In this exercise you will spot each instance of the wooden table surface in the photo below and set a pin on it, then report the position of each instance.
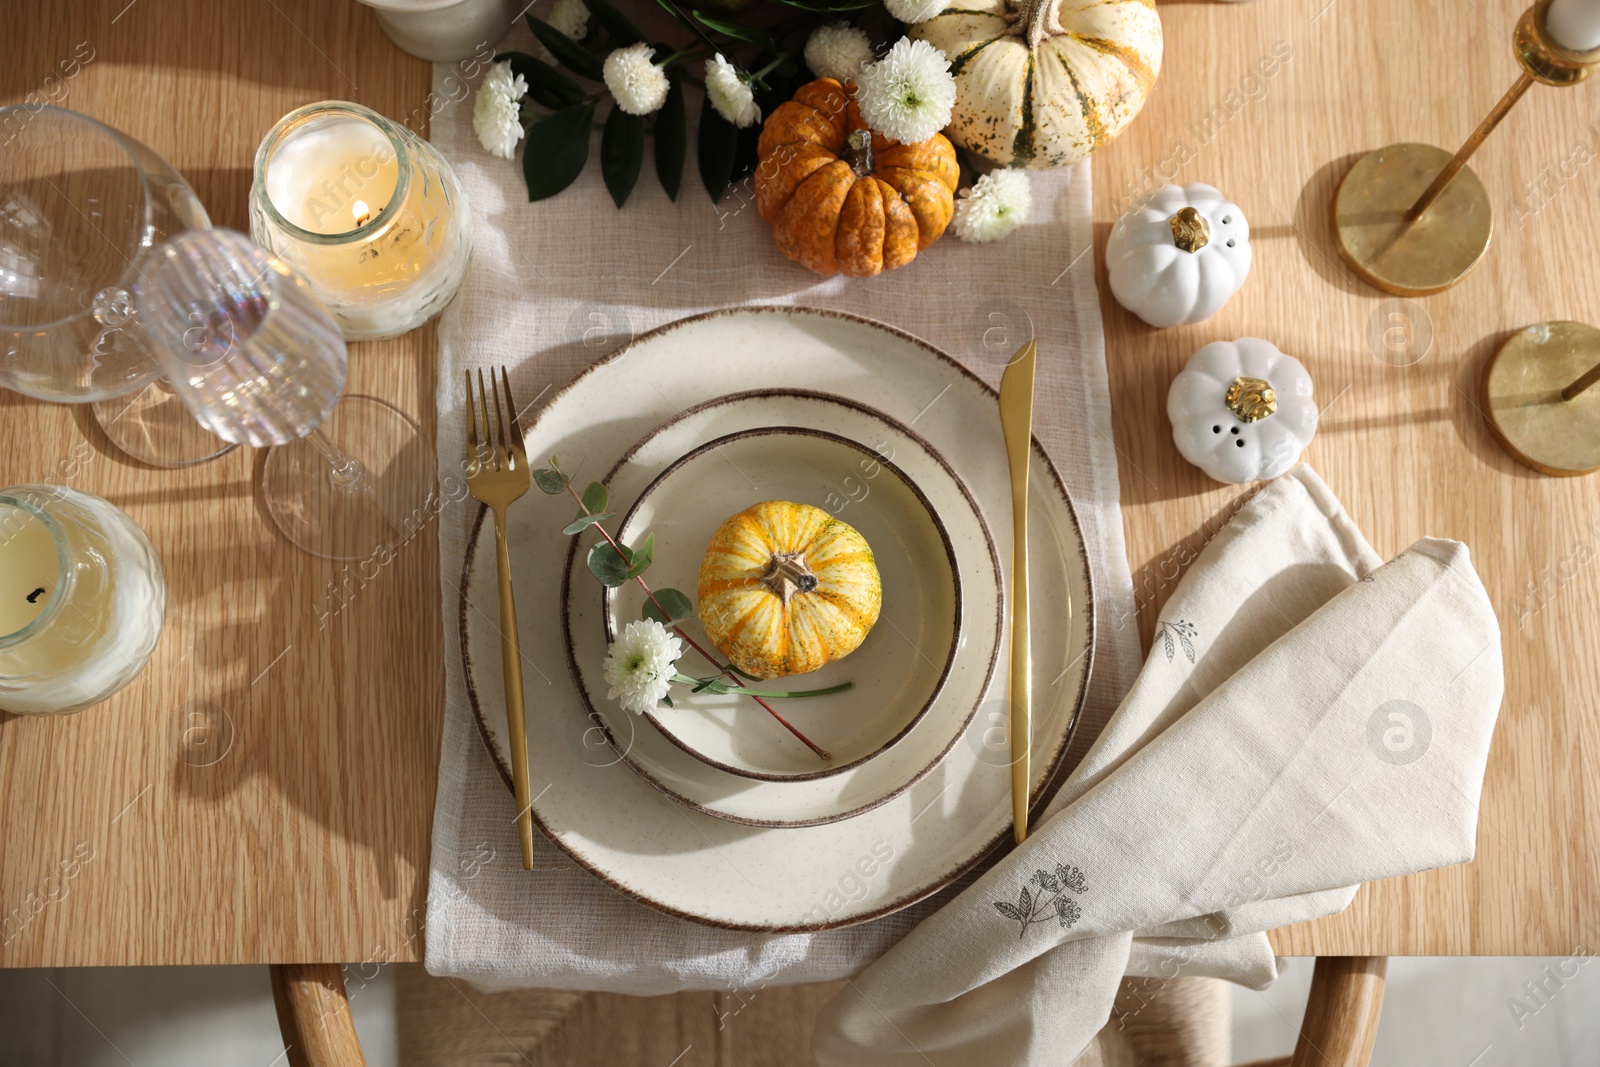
(263, 792)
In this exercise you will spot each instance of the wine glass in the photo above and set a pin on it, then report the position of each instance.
(81, 207)
(259, 361)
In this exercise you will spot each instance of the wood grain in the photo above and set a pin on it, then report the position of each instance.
(314, 1016)
(1342, 1010)
(319, 686)
(308, 840)
(1404, 447)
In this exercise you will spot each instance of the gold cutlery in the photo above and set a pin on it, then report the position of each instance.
(497, 474)
(1016, 423)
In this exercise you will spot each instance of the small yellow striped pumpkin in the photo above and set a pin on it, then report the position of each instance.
(786, 588)
(1043, 83)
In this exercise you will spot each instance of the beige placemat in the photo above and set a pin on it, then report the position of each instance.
(555, 286)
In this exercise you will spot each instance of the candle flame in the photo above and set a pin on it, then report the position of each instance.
(362, 213)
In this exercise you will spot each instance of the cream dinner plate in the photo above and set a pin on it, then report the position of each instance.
(682, 861)
(926, 675)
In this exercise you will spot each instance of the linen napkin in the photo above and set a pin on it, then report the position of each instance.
(1305, 721)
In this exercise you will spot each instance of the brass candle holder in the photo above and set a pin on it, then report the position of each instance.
(1410, 218)
(1538, 398)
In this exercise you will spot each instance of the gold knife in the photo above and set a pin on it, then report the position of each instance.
(1016, 423)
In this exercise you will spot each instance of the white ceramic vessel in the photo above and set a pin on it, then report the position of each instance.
(624, 830)
(445, 31)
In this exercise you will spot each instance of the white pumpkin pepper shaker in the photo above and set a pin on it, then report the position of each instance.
(1242, 410)
(1179, 256)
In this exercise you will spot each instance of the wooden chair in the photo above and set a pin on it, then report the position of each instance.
(1340, 1023)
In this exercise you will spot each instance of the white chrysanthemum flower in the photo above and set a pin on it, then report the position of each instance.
(730, 94)
(994, 207)
(909, 11)
(497, 112)
(640, 665)
(570, 17)
(636, 83)
(907, 95)
(838, 51)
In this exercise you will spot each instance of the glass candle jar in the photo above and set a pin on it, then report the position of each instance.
(367, 212)
(81, 599)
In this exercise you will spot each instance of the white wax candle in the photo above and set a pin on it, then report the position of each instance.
(1574, 24)
(333, 176)
(30, 569)
(100, 621)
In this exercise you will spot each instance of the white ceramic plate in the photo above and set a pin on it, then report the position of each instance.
(829, 798)
(897, 672)
(681, 861)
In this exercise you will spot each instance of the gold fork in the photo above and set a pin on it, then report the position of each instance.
(497, 474)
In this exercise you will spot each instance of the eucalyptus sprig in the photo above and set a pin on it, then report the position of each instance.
(614, 563)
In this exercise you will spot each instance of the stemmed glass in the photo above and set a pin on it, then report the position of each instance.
(259, 361)
(81, 208)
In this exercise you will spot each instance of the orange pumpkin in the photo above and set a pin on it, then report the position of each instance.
(841, 198)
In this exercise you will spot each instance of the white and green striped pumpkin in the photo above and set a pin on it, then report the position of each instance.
(1043, 83)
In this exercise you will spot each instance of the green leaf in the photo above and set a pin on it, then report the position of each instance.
(641, 556)
(552, 482)
(595, 497)
(674, 601)
(568, 53)
(583, 522)
(672, 140)
(738, 32)
(617, 25)
(838, 6)
(621, 153)
(716, 151)
(607, 565)
(556, 151)
(667, 700)
(677, 13)
(546, 84)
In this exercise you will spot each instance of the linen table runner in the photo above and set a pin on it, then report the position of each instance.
(557, 285)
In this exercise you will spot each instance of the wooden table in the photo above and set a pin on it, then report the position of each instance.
(320, 688)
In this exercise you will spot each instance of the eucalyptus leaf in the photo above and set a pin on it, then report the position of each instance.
(552, 482)
(595, 497)
(672, 140)
(568, 53)
(739, 33)
(607, 565)
(717, 150)
(556, 151)
(834, 8)
(583, 522)
(621, 153)
(546, 84)
(674, 601)
(639, 557)
(618, 26)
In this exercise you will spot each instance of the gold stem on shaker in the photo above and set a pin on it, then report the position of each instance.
(1190, 230)
(1251, 399)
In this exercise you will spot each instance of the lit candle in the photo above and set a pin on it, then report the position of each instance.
(1574, 24)
(81, 599)
(367, 212)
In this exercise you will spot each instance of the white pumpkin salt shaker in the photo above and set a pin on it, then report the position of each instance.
(1242, 410)
(1179, 256)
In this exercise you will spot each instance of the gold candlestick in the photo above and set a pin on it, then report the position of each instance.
(1412, 219)
(1537, 398)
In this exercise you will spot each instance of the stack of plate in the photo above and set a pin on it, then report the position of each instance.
(710, 809)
